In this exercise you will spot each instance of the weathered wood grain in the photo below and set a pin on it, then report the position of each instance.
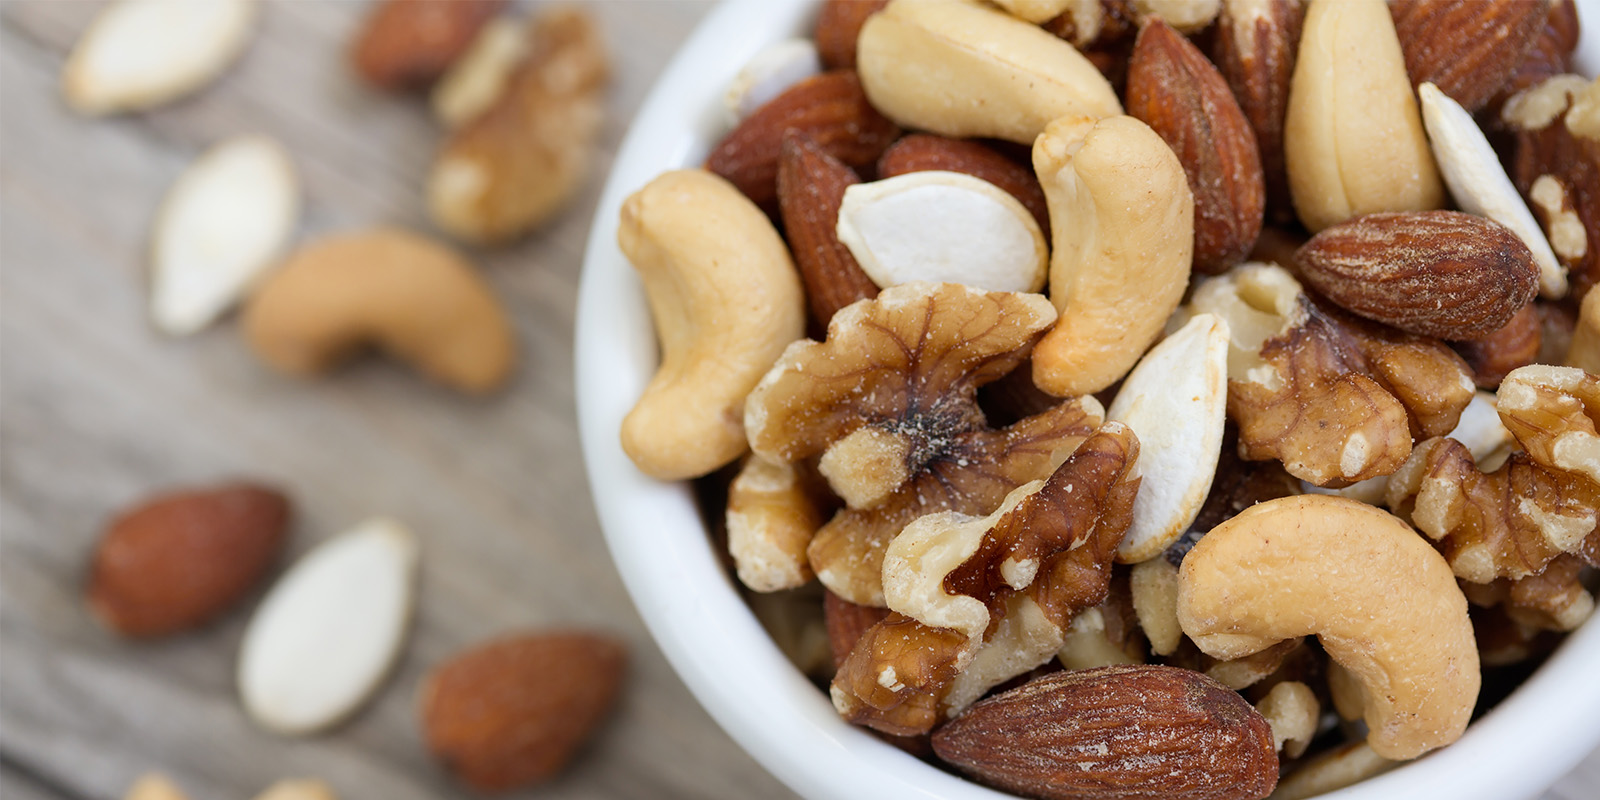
(99, 409)
(96, 409)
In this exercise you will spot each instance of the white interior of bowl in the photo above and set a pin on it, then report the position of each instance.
(709, 635)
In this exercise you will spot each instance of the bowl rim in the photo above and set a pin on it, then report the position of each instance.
(709, 635)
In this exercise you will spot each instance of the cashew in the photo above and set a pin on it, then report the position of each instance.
(1291, 709)
(1383, 602)
(1584, 352)
(1154, 586)
(1035, 11)
(1122, 219)
(411, 297)
(1353, 138)
(726, 301)
(958, 68)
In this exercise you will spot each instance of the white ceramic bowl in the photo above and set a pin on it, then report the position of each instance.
(708, 633)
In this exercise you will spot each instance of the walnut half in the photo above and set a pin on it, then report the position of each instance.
(1539, 504)
(979, 600)
(889, 403)
(1335, 398)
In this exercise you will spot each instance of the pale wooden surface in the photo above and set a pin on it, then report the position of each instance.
(98, 410)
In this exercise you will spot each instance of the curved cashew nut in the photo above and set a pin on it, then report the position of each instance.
(959, 68)
(726, 301)
(400, 292)
(1383, 602)
(1122, 219)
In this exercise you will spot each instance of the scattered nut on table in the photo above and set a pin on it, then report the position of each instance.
(413, 298)
(139, 54)
(516, 710)
(517, 163)
(182, 558)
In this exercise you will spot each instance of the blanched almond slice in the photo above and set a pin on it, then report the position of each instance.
(1175, 401)
(943, 227)
(1480, 185)
(222, 225)
(777, 67)
(326, 634)
(475, 81)
(142, 53)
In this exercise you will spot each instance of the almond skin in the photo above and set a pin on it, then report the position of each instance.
(1182, 97)
(1436, 273)
(811, 187)
(831, 108)
(920, 152)
(838, 24)
(1467, 49)
(407, 44)
(180, 559)
(1109, 733)
(515, 710)
(1254, 50)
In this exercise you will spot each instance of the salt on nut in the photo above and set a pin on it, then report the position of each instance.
(958, 68)
(726, 300)
(402, 293)
(1383, 602)
(1480, 185)
(943, 227)
(1122, 219)
(1353, 138)
(1176, 400)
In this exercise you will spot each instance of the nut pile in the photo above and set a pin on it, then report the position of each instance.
(1198, 393)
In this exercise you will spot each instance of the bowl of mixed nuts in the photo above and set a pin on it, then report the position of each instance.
(1113, 399)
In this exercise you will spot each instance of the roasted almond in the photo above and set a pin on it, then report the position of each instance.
(838, 24)
(811, 186)
(178, 560)
(515, 711)
(1182, 97)
(1515, 344)
(925, 151)
(1254, 50)
(1127, 731)
(1467, 49)
(406, 44)
(830, 108)
(1435, 273)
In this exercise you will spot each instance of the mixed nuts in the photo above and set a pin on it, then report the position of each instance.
(1321, 262)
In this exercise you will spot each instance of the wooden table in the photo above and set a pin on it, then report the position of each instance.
(99, 410)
